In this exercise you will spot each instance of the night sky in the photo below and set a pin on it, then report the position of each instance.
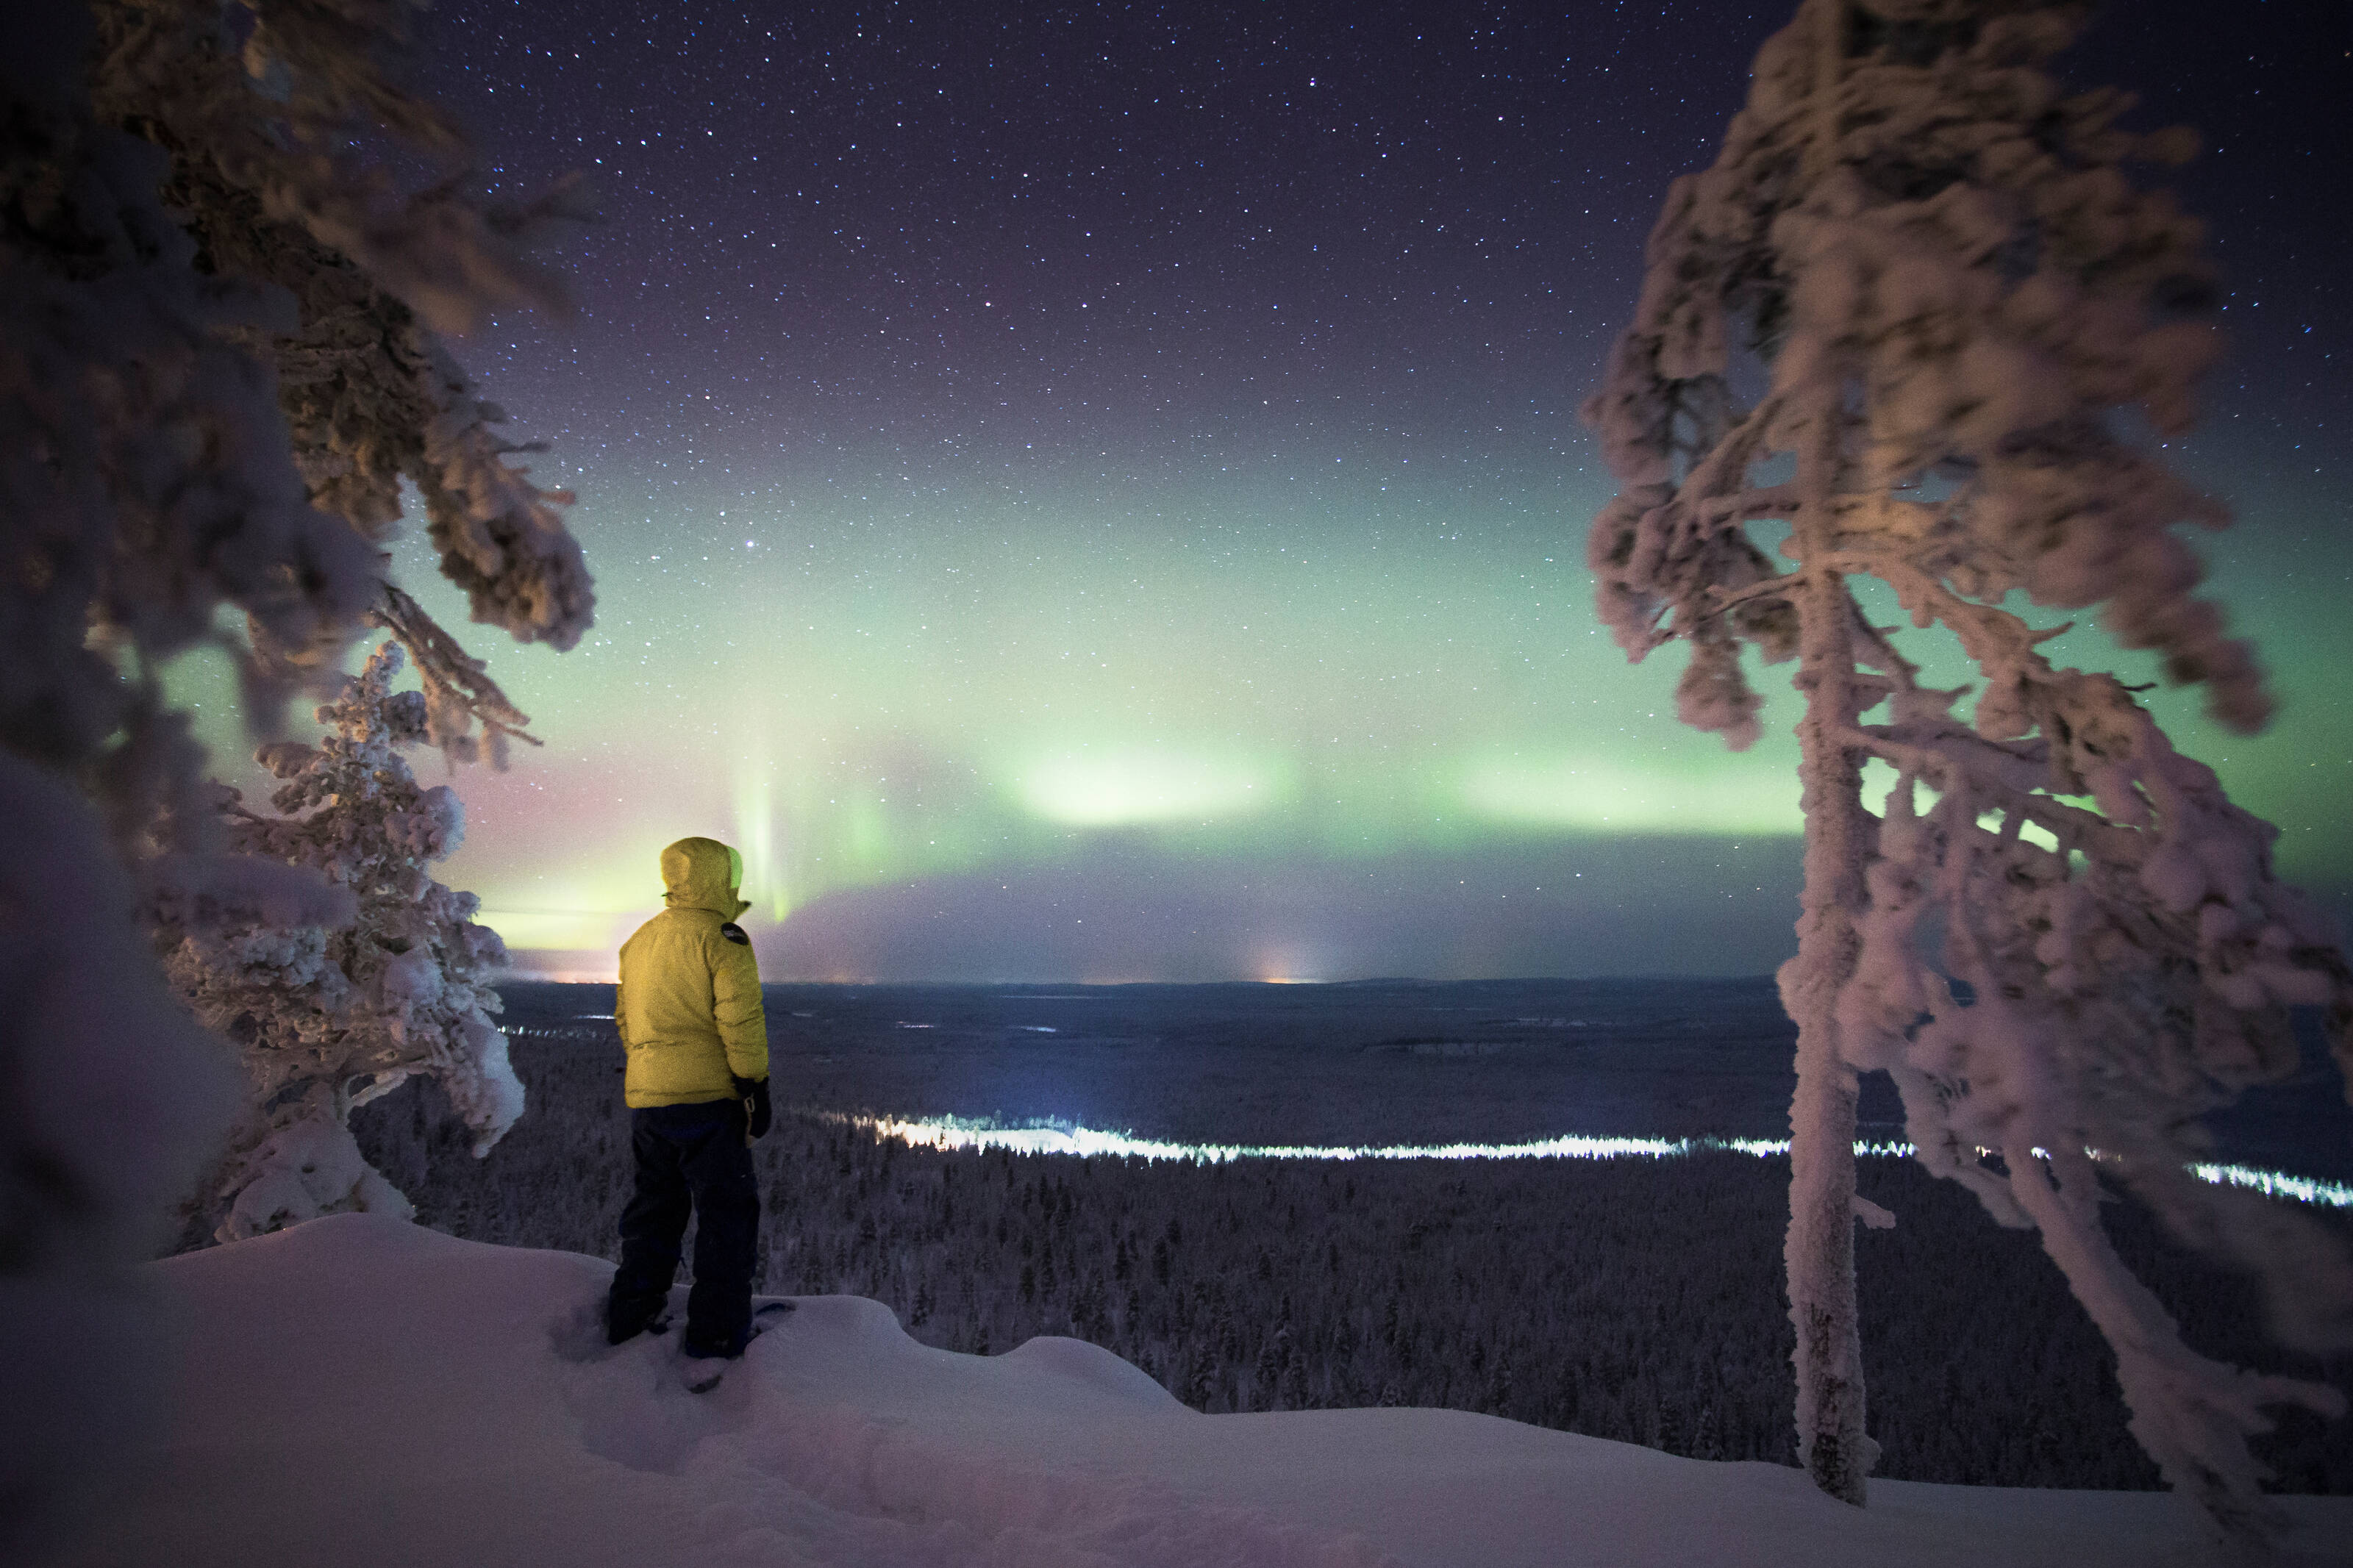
(1097, 494)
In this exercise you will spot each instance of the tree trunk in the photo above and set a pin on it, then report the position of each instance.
(1840, 838)
(1819, 1253)
(1819, 1250)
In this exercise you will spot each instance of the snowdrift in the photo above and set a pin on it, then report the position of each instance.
(361, 1392)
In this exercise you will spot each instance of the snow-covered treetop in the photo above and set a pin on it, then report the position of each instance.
(1942, 248)
(1952, 230)
(329, 1014)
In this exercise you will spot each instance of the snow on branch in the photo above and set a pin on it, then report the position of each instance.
(265, 178)
(459, 691)
(278, 100)
(500, 535)
(115, 1099)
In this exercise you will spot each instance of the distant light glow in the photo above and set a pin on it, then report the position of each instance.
(1069, 1138)
(2278, 1184)
(1290, 962)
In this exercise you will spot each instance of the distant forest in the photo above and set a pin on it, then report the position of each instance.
(1633, 1299)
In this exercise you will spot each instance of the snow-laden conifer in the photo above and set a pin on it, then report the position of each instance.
(217, 360)
(327, 1019)
(2061, 938)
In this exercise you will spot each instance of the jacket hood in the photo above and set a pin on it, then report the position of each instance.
(703, 874)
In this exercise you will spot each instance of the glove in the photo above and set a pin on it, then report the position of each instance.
(757, 1111)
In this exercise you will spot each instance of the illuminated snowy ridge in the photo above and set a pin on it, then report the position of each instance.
(1068, 1138)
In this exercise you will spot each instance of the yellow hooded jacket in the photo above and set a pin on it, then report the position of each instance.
(688, 1003)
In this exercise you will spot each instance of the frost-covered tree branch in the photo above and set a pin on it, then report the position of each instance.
(459, 690)
(264, 134)
(2059, 938)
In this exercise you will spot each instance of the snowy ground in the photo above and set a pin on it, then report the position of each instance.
(362, 1392)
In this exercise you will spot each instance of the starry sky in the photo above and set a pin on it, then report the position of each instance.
(1094, 491)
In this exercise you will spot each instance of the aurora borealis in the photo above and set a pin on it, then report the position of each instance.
(1096, 493)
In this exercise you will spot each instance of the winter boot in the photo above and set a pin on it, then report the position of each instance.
(622, 1326)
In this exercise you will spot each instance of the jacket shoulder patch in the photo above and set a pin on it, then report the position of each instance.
(734, 933)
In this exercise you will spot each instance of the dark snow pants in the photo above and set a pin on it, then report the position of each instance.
(690, 1155)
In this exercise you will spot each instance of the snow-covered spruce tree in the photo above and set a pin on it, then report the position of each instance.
(176, 414)
(327, 1019)
(2061, 939)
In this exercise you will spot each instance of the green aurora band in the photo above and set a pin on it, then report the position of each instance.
(872, 683)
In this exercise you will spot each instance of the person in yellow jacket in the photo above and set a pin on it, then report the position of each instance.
(688, 1008)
